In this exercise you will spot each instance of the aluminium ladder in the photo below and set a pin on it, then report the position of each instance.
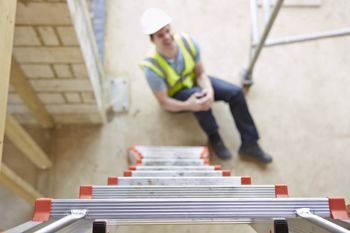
(176, 185)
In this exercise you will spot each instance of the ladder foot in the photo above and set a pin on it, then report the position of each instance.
(99, 227)
(281, 226)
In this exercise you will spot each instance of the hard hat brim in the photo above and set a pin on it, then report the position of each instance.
(156, 27)
(153, 19)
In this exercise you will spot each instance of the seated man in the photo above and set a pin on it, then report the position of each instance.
(176, 75)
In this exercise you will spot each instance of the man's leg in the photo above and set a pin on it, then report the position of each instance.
(234, 96)
(208, 123)
(205, 119)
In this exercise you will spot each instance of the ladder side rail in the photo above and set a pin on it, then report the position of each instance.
(315, 219)
(341, 222)
(23, 227)
(76, 214)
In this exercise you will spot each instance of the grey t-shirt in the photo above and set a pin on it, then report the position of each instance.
(155, 82)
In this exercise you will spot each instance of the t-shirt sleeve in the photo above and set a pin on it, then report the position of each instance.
(197, 57)
(155, 82)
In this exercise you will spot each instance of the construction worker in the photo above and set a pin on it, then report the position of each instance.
(176, 75)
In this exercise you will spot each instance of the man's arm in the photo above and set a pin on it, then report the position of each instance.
(196, 102)
(204, 82)
(193, 103)
(158, 86)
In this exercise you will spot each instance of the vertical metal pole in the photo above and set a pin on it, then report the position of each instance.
(254, 19)
(267, 10)
(247, 74)
(255, 32)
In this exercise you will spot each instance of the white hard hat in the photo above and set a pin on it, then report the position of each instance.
(154, 19)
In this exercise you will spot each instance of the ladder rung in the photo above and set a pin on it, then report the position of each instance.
(140, 152)
(111, 192)
(173, 156)
(169, 150)
(189, 208)
(178, 168)
(172, 162)
(177, 173)
(185, 181)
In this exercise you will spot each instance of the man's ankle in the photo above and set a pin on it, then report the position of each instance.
(254, 151)
(249, 144)
(218, 146)
(215, 137)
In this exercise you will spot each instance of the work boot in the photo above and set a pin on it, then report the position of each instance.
(253, 151)
(219, 147)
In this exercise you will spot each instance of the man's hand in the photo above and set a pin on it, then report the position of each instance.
(200, 101)
(203, 81)
(209, 94)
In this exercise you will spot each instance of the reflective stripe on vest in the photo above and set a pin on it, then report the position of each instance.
(162, 68)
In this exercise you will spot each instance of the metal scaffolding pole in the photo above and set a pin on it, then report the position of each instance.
(267, 10)
(254, 21)
(247, 73)
(258, 42)
(308, 37)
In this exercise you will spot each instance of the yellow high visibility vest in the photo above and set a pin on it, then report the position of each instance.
(161, 67)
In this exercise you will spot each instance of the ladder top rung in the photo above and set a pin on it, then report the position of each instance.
(144, 151)
(164, 208)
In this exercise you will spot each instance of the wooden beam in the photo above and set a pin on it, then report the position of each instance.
(16, 184)
(7, 25)
(23, 141)
(28, 95)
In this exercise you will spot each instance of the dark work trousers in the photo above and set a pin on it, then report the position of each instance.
(233, 95)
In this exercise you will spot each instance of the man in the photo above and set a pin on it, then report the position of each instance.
(176, 75)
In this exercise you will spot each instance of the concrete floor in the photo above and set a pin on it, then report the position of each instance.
(299, 101)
